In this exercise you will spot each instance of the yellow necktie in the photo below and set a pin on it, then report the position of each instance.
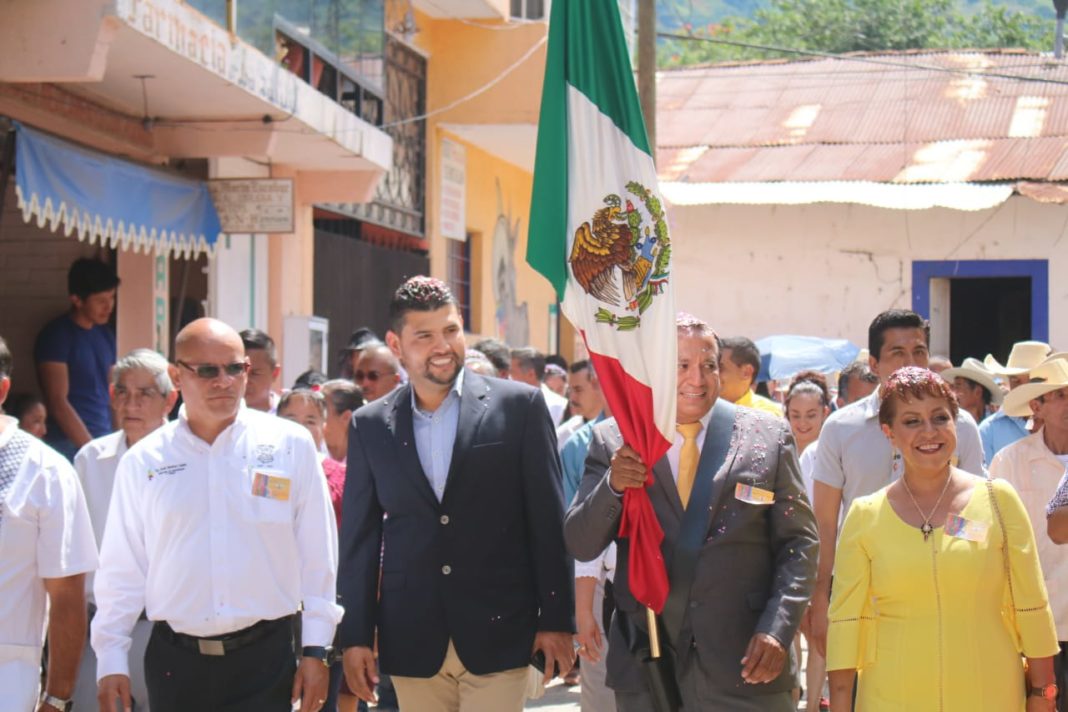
(688, 457)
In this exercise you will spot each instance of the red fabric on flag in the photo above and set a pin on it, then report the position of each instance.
(632, 402)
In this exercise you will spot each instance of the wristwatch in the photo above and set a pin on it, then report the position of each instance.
(1046, 692)
(61, 704)
(323, 654)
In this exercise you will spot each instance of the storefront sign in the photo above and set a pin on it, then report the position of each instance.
(453, 211)
(186, 32)
(254, 205)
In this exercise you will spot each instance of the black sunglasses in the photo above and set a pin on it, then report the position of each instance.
(210, 371)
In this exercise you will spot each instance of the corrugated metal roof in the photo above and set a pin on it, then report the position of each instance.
(837, 119)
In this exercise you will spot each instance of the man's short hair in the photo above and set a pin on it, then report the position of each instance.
(385, 352)
(580, 366)
(259, 340)
(342, 394)
(497, 352)
(856, 371)
(695, 326)
(144, 360)
(6, 362)
(743, 352)
(88, 276)
(894, 319)
(419, 293)
(529, 358)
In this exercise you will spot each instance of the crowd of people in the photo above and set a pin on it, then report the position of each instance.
(438, 528)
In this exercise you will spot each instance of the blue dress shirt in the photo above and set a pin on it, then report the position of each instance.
(998, 431)
(573, 458)
(435, 435)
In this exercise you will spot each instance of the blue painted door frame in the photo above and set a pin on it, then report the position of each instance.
(923, 271)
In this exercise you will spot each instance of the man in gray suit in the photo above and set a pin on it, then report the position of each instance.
(754, 562)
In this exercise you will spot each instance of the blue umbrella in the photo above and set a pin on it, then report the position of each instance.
(783, 356)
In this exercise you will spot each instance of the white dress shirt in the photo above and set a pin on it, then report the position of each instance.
(95, 464)
(556, 404)
(44, 533)
(187, 540)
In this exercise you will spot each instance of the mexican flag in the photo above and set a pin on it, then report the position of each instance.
(599, 234)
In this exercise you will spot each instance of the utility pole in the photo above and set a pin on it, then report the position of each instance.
(647, 67)
(1061, 6)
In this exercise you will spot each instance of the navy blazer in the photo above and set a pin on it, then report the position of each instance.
(486, 567)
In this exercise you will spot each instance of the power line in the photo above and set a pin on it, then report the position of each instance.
(481, 90)
(865, 60)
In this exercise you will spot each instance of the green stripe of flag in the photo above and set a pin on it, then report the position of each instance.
(587, 51)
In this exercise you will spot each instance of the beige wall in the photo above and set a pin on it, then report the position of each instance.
(827, 270)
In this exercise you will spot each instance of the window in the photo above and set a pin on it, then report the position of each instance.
(528, 9)
(458, 258)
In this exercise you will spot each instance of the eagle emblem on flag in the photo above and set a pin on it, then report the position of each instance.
(622, 255)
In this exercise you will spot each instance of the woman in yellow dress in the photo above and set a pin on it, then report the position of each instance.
(924, 613)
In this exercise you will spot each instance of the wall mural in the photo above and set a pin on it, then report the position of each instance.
(512, 323)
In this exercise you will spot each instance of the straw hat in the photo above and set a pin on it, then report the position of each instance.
(1048, 377)
(973, 370)
(1025, 356)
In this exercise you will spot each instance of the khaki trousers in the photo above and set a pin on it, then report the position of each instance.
(454, 689)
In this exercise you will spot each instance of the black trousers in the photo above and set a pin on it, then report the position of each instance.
(256, 678)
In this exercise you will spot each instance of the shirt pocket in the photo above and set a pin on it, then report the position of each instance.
(268, 496)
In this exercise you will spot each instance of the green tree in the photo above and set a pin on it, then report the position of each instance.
(838, 26)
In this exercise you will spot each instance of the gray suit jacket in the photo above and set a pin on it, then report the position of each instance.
(754, 575)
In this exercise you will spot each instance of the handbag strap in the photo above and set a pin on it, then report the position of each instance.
(1004, 540)
(695, 519)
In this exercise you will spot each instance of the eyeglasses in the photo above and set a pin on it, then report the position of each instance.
(211, 371)
(369, 375)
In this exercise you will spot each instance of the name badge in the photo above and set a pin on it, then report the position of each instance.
(270, 486)
(967, 529)
(753, 495)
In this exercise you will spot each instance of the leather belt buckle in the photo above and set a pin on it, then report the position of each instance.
(211, 647)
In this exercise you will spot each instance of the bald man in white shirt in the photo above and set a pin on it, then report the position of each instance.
(220, 527)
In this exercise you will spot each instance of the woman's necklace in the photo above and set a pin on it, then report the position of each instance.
(927, 528)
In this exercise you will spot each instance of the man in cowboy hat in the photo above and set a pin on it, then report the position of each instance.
(1034, 465)
(1001, 430)
(975, 388)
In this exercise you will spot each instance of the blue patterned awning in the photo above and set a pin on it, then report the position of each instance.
(101, 197)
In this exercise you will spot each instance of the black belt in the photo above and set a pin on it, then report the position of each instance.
(226, 643)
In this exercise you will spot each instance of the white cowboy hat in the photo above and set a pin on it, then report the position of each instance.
(1047, 378)
(1025, 356)
(973, 370)
(1060, 355)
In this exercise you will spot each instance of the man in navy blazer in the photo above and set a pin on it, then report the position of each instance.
(453, 494)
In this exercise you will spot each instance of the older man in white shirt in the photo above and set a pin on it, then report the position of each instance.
(46, 548)
(1035, 466)
(220, 528)
(141, 396)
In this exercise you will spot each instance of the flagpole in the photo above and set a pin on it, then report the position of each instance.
(654, 634)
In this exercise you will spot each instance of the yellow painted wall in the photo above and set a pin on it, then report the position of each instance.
(465, 56)
(485, 208)
(461, 58)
